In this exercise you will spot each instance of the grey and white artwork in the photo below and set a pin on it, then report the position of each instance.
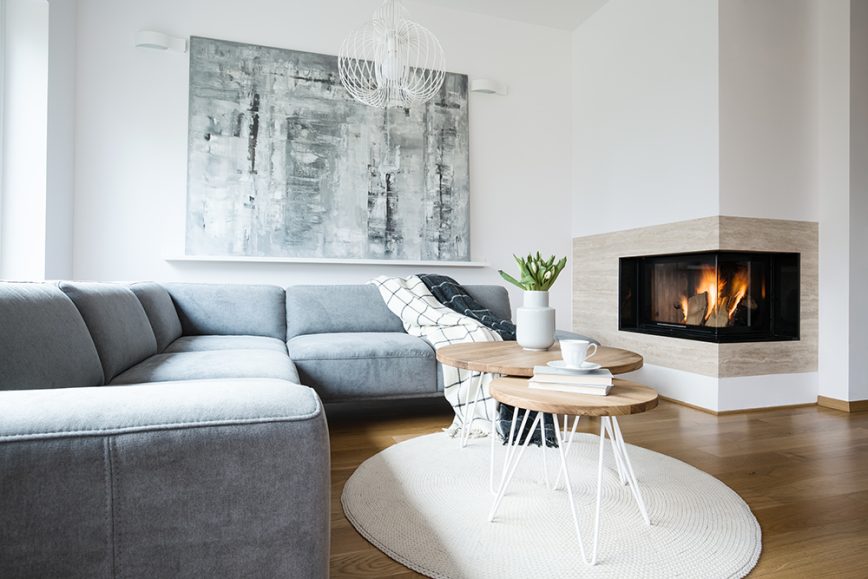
(284, 163)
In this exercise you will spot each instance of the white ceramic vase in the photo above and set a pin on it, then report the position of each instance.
(535, 322)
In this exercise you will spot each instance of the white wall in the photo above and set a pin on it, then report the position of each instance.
(768, 94)
(645, 114)
(22, 214)
(858, 309)
(131, 148)
(60, 153)
(833, 43)
(684, 109)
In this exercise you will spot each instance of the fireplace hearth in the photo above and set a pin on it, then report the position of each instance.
(719, 296)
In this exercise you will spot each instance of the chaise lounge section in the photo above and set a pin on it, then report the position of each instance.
(130, 449)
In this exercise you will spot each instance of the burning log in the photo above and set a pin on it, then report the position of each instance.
(719, 318)
(696, 308)
(742, 315)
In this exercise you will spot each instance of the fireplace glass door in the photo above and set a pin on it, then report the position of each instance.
(715, 296)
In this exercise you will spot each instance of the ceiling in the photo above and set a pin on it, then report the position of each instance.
(564, 14)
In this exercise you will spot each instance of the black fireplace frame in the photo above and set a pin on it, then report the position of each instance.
(783, 322)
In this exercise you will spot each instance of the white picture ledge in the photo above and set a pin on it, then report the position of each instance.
(323, 260)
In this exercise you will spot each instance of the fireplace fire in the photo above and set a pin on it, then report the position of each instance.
(718, 296)
(714, 300)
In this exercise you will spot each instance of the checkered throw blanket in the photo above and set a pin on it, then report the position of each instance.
(425, 317)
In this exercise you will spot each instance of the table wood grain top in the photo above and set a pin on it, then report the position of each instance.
(624, 399)
(510, 359)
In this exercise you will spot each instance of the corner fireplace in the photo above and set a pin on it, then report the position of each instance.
(718, 296)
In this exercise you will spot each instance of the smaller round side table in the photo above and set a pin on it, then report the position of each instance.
(624, 399)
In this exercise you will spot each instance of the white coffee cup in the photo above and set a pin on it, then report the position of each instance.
(575, 352)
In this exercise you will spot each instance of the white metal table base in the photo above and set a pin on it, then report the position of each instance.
(608, 427)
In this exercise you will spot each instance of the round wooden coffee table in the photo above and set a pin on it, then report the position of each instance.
(624, 399)
(510, 359)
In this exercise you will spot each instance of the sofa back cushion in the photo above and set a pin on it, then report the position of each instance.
(160, 311)
(230, 309)
(117, 322)
(493, 297)
(44, 342)
(321, 309)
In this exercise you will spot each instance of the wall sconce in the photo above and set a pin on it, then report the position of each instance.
(159, 41)
(486, 86)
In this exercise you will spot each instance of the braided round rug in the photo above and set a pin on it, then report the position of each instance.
(425, 504)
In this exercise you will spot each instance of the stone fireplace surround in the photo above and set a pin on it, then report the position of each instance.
(717, 377)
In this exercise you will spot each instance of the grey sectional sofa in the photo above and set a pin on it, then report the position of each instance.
(152, 430)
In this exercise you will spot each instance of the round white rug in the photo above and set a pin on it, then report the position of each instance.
(425, 503)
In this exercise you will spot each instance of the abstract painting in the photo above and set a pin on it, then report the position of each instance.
(284, 163)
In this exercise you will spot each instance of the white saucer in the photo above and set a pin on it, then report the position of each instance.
(563, 365)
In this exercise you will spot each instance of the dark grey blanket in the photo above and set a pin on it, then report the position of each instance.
(452, 295)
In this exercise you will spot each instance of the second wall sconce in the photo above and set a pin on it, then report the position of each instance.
(160, 41)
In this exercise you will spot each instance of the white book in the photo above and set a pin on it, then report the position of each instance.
(601, 377)
(571, 388)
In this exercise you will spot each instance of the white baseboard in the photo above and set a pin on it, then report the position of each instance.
(687, 387)
(729, 394)
(764, 391)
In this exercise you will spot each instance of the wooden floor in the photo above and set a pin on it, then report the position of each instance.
(803, 471)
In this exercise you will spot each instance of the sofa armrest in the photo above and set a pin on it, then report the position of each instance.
(182, 479)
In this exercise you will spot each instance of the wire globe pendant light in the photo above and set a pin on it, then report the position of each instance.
(391, 60)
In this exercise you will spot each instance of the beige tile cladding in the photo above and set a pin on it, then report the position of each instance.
(595, 293)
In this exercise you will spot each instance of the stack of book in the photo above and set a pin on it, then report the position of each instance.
(594, 382)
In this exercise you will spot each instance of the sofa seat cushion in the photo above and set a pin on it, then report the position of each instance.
(344, 366)
(211, 343)
(211, 365)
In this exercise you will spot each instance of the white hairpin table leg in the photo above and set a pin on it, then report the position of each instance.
(470, 411)
(510, 447)
(569, 442)
(573, 511)
(619, 463)
(511, 464)
(493, 435)
(621, 449)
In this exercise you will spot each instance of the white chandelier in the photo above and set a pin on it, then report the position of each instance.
(392, 61)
